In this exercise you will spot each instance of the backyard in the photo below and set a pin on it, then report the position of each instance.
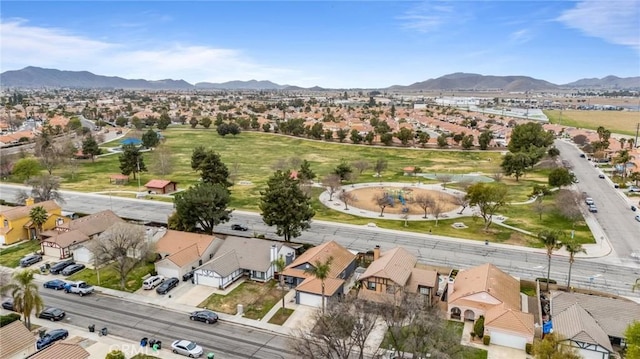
(256, 298)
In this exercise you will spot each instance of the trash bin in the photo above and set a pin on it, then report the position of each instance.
(143, 342)
(92, 328)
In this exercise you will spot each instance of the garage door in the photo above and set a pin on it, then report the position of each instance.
(311, 300)
(206, 280)
(168, 272)
(508, 340)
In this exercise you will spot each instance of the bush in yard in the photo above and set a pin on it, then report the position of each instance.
(528, 348)
(478, 327)
(486, 340)
(8, 319)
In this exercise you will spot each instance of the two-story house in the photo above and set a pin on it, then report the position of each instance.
(17, 224)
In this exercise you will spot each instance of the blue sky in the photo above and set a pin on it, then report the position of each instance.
(339, 44)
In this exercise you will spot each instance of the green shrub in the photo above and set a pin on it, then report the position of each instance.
(486, 340)
(528, 348)
(478, 327)
(8, 319)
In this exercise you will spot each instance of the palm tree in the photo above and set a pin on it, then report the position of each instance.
(25, 294)
(573, 247)
(39, 217)
(280, 265)
(321, 270)
(550, 239)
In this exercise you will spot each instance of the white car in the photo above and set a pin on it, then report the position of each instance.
(188, 348)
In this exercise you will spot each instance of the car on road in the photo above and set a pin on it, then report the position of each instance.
(593, 208)
(74, 268)
(601, 176)
(637, 219)
(29, 260)
(58, 267)
(52, 314)
(239, 227)
(167, 285)
(589, 201)
(206, 316)
(51, 337)
(56, 284)
(8, 304)
(187, 347)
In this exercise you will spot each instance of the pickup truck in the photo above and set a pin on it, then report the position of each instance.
(81, 288)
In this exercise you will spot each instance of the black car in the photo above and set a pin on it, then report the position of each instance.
(206, 316)
(51, 337)
(69, 270)
(239, 227)
(167, 285)
(53, 314)
(8, 305)
(187, 276)
(58, 267)
(56, 284)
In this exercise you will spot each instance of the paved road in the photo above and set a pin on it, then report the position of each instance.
(614, 208)
(602, 273)
(135, 321)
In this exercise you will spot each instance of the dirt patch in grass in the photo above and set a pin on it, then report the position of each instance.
(257, 299)
(281, 316)
(366, 199)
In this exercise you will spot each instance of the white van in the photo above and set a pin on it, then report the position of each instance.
(152, 282)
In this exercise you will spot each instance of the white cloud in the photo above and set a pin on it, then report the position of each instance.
(617, 22)
(24, 45)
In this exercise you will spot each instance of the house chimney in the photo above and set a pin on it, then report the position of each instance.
(29, 201)
(376, 253)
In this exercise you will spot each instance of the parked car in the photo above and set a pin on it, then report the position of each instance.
(8, 304)
(167, 285)
(58, 267)
(51, 337)
(152, 282)
(74, 268)
(52, 314)
(239, 227)
(56, 284)
(80, 287)
(206, 316)
(187, 276)
(187, 347)
(29, 260)
(589, 201)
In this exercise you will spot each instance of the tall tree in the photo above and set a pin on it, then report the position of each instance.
(90, 147)
(551, 240)
(284, 205)
(124, 245)
(131, 161)
(573, 247)
(489, 198)
(38, 216)
(204, 204)
(321, 270)
(24, 292)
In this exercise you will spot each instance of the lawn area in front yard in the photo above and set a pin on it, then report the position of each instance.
(257, 299)
(109, 278)
(281, 316)
(10, 257)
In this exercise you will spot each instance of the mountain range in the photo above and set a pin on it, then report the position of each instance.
(36, 77)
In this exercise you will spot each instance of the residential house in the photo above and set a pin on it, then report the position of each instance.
(182, 252)
(392, 274)
(18, 226)
(238, 257)
(486, 290)
(60, 350)
(593, 324)
(71, 238)
(16, 341)
(161, 186)
(309, 288)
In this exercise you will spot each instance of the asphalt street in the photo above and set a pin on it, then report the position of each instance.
(135, 321)
(605, 274)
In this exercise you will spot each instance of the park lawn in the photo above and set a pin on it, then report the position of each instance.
(109, 278)
(281, 316)
(10, 257)
(623, 122)
(257, 299)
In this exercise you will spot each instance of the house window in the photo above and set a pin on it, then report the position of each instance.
(371, 285)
